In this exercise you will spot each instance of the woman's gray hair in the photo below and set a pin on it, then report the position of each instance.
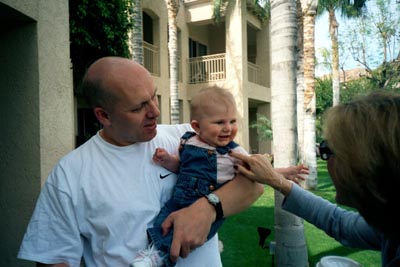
(364, 136)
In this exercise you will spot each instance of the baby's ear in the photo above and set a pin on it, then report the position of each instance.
(195, 125)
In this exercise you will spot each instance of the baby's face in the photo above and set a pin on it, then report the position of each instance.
(218, 125)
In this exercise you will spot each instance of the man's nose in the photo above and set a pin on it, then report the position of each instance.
(152, 109)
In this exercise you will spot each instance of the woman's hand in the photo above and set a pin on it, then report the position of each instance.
(255, 167)
(258, 168)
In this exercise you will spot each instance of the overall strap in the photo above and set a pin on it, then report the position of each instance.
(186, 136)
(225, 149)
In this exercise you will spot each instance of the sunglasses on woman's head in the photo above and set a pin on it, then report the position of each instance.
(324, 150)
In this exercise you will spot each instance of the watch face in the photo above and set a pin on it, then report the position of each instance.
(213, 198)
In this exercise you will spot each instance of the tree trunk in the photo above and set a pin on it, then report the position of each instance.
(333, 32)
(137, 32)
(291, 247)
(310, 158)
(300, 83)
(173, 8)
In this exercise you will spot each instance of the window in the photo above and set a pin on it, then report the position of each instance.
(196, 49)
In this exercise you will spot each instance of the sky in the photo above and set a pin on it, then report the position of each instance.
(322, 40)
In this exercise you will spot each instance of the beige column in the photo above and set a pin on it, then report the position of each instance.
(236, 63)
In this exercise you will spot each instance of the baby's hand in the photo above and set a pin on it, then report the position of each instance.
(160, 155)
(295, 173)
(166, 160)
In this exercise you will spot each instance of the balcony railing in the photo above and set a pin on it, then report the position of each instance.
(255, 75)
(151, 58)
(213, 68)
(200, 69)
(206, 68)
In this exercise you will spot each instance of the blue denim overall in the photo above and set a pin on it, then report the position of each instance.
(197, 177)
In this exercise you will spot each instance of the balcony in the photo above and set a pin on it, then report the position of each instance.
(255, 74)
(206, 68)
(212, 68)
(151, 58)
(202, 69)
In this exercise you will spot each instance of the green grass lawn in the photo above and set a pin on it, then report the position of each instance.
(240, 238)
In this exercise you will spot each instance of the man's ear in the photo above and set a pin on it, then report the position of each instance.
(195, 125)
(102, 116)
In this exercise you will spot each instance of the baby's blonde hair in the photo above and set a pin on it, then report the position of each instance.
(209, 97)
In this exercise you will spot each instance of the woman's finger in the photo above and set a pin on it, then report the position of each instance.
(240, 156)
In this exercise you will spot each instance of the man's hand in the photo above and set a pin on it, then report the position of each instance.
(192, 224)
(191, 227)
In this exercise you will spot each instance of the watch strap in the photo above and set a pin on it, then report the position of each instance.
(219, 211)
(218, 208)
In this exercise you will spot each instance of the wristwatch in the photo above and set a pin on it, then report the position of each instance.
(214, 200)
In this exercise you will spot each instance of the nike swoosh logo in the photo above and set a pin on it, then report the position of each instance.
(163, 176)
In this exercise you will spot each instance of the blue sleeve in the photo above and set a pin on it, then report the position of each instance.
(347, 227)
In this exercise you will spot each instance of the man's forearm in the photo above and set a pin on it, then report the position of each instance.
(192, 224)
(238, 194)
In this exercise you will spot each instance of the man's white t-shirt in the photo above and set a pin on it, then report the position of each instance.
(98, 202)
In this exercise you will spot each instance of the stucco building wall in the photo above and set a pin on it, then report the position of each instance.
(36, 109)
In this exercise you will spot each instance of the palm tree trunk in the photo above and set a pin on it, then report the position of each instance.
(300, 82)
(310, 159)
(137, 32)
(173, 8)
(333, 32)
(291, 247)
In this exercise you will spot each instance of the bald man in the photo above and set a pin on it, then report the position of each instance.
(99, 199)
